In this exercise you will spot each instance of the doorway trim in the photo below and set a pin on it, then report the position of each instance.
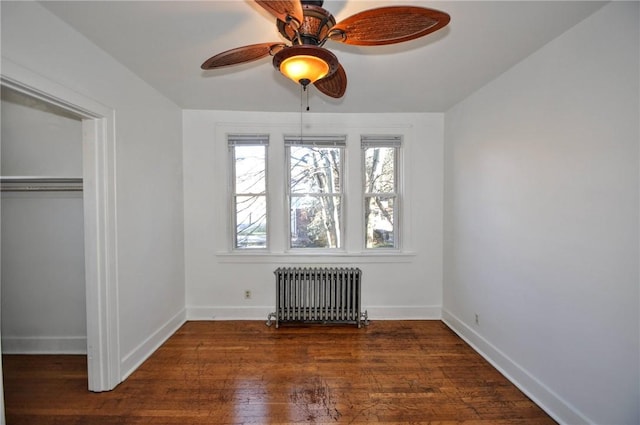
(100, 225)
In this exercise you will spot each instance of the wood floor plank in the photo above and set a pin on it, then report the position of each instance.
(242, 372)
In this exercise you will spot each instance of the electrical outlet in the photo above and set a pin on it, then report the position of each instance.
(247, 294)
(477, 319)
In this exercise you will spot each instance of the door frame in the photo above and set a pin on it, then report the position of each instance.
(100, 231)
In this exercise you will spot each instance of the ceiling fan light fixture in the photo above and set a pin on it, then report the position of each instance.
(304, 68)
(305, 64)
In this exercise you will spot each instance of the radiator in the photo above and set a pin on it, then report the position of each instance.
(318, 295)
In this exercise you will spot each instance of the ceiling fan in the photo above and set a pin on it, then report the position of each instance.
(307, 26)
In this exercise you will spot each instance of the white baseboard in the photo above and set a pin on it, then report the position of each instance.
(44, 345)
(424, 312)
(543, 396)
(228, 313)
(261, 313)
(137, 356)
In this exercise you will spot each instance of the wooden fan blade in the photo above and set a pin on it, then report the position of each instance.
(283, 9)
(241, 55)
(335, 85)
(388, 25)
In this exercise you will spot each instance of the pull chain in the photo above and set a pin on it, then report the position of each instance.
(302, 89)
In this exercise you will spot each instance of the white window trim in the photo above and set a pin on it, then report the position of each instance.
(279, 220)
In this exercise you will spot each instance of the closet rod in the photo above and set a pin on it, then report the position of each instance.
(40, 179)
(41, 189)
(40, 184)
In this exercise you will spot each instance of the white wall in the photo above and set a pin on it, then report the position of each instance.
(148, 156)
(43, 279)
(541, 213)
(407, 285)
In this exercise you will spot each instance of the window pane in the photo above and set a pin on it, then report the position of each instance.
(379, 166)
(315, 222)
(315, 170)
(379, 218)
(250, 169)
(251, 222)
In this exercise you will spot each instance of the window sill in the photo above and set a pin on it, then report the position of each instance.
(317, 257)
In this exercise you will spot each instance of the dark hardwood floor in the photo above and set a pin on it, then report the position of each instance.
(239, 372)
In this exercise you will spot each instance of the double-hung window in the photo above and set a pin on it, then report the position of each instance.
(380, 167)
(249, 195)
(315, 191)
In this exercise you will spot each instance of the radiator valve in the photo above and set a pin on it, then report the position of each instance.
(364, 318)
(270, 318)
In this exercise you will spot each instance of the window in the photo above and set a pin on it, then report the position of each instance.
(294, 196)
(249, 194)
(380, 157)
(315, 191)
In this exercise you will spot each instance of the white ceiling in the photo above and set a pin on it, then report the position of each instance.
(165, 42)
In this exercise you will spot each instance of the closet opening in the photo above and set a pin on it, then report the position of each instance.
(57, 165)
(43, 279)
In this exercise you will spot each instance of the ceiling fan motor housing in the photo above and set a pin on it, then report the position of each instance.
(314, 28)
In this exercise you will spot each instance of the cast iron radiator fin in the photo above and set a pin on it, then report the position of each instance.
(318, 295)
